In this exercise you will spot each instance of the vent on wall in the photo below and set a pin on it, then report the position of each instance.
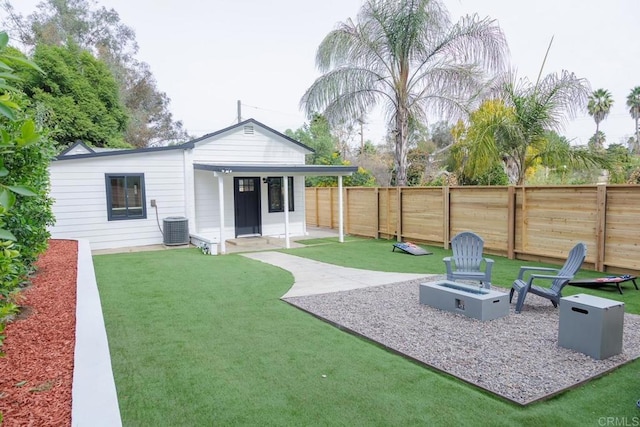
(175, 230)
(248, 130)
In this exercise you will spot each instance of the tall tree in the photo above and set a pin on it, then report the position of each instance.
(80, 94)
(407, 57)
(514, 128)
(633, 102)
(316, 135)
(599, 106)
(99, 30)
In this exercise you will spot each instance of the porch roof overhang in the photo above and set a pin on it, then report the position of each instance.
(303, 170)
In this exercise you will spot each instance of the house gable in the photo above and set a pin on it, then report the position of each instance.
(250, 142)
(76, 148)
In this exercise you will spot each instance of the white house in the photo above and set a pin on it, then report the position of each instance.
(227, 184)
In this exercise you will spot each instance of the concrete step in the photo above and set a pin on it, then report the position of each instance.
(248, 241)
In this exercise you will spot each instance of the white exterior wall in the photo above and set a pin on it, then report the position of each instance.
(79, 189)
(206, 201)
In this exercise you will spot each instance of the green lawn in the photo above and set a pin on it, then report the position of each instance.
(205, 340)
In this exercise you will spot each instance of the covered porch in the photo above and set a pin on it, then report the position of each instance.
(233, 201)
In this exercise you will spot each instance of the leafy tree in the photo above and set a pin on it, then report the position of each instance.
(80, 94)
(406, 57)
(596, 142)
(441, 135)
(418, 159)
(378, 161)
(493, 176)
(514, 127)
(633, 102)
(316, 135)
(620, 163)
(99, 30)
(150, 120)
(599, 106)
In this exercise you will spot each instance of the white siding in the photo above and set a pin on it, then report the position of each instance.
(206, 191)
(273, 223)
(261, 147)
(79, 190)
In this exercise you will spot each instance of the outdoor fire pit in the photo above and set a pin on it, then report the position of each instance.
(472, 301)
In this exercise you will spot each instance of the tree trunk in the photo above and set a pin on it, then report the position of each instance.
(402, 133)
(637, 145)
(512, 170)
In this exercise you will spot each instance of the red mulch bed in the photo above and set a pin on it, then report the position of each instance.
(37, 371)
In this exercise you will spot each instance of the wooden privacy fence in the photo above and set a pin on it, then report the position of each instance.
(520, 222)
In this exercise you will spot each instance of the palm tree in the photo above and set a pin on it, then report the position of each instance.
(406, 57)
(515, 128)
(600, 103)
(633, 102)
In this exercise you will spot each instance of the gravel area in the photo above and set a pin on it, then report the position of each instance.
(516, 357)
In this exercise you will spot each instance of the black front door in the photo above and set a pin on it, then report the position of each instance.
(246, 193)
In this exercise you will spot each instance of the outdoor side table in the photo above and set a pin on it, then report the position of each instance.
(591, 325)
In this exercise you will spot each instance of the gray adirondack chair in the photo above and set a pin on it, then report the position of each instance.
(467, 260)
(558, 277)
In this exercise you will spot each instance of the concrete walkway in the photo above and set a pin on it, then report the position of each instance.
(314, 277)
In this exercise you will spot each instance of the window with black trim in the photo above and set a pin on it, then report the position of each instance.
(125, 196)
(276, 193)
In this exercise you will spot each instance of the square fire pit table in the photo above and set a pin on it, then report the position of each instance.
(472, 301)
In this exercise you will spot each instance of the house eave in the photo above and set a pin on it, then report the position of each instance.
(291, 170)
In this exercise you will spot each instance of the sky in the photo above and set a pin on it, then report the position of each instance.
(208, 55)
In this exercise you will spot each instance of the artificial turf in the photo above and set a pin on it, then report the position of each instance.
(205, 340)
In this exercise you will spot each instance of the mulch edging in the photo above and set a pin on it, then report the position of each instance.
(37, 371)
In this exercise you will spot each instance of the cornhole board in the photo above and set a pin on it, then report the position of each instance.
(410, 248)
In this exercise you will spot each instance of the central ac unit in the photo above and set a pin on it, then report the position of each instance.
(175, 230)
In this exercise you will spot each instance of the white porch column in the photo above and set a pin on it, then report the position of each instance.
(223, 248)
(304, 203)
(287, 242)
(340, 211)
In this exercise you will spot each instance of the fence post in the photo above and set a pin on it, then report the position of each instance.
(346, 210)
(388, 191)
(601, 223)
(377, 191)
(331, 207)
(446, 223)
(525, 221)
(399, 214)
(315, 194)
(511, 222)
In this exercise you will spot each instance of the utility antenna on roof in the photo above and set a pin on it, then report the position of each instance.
(239, 111)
